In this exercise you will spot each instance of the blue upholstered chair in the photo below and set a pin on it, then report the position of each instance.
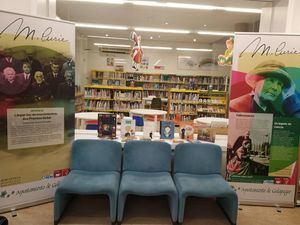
(95, 169)
(146, 172)
(197, 172)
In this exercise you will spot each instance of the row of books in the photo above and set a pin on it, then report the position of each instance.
(97, 93)
(179, 108)
(158, 77)
(158, 94)
(185, 96)
(177, 78)
(109, 74)
(128, 95)
(212, 101)
(101, 105)
(126, 105)
(211, 109)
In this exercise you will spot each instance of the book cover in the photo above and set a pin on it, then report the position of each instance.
(186, 130)
(167, 129)
(127, 128)
(107, 124)
(149, 128)
(206, 134)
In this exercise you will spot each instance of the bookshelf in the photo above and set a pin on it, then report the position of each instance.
(190, 104)
(115, 99)
(79, 101)
(159, 84)
(190, 96)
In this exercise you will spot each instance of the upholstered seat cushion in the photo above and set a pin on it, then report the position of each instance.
(89, 182)
(210, 185)
(143, 183)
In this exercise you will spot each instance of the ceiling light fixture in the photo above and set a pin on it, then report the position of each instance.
(177, 5)
(112, 45)
(105, 37)
(193, 6)
(118, 2)
(101, 26)
(184, 57)
(156, 47)
(194, 40)
(151, 37)
(217, 33)
(195, 49)
(148, 29)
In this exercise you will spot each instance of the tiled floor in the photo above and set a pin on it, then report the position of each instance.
(152, 211)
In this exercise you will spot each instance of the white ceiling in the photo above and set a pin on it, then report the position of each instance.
(142, 16)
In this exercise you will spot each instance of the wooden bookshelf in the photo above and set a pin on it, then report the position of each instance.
(114, 99)
(190, 104)
(159, 84)
(210, 92)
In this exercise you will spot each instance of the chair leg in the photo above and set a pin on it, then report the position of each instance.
(229, 206)
(121, 204)
(173, 204)
(60, 202)
(113, 208)
(181, 208)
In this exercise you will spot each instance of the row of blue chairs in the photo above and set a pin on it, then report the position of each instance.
(146, 171)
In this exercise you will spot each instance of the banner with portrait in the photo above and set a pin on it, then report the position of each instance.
(37, 74)
(264, 118)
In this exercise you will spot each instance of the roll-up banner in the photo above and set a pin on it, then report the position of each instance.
(264, 118)
(37, 73)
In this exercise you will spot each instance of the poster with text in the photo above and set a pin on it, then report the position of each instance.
(264, 118)
(37, 73)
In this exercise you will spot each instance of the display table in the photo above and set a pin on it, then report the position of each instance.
(220, 140)
(148, 112)
(209, 120)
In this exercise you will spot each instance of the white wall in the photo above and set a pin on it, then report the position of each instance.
(46, 8)
(166, 58)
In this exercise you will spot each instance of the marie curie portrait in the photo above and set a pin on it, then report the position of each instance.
(270, 87)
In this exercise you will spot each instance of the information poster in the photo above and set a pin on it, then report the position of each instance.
(264, 118)
(37, 88)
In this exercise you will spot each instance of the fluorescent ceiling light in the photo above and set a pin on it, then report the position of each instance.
(119, 2)
(104, 37)
(100, 26)
(148, 29)
(216, 33)
(172, 5)
(112, 45)
(195, 49)
(245, 10)
(157, 47)
(184, 57)
(177, 5)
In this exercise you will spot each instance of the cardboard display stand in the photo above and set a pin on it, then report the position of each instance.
(36, 107)
(264, 118)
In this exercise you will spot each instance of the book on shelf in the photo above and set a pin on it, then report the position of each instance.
(127, 128)
(167, 129)
(107, 125)
(186, 130)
